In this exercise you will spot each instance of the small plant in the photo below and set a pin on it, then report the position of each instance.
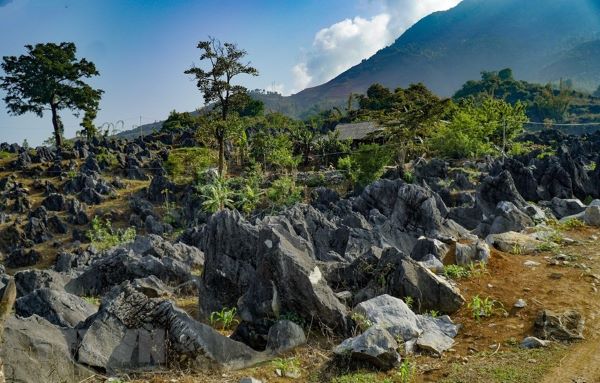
(226, 317)
(409, 301)
(572, 224)
(217, 196)
(483, 307)
(477, 269)
(405, 372)
(95, 301)
(547, 246)
(456, 272)
(362, 322)
(408, 177)
(71, 174)
(103, 236)
(293, 317)
(517, 249)
(433, 313)
(287, 366)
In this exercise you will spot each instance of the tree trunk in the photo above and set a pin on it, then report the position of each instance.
(221, 156)
(57, 129)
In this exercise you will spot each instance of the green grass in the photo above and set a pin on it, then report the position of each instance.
(4, 155)
(362, 377)
(457, 272)
(506, 367)
(103, 236)
(95, 301)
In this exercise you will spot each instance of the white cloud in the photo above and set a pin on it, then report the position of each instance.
(276, 87)
(344, 44)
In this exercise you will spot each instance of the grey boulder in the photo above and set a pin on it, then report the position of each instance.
(59, 308)
(376, 346)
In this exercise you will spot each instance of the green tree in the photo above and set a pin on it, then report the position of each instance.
(477, 128)
(49, 77)
(408, 119)
(215, 83)
(246, 106)
(177, 121)
(366, 164)
(553, 104)
(89, 129)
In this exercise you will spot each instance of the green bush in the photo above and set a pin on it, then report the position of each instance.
(217, 196)
(107, 158)
(103, 236)
(477, 129)
(366, 164)
(185, 164)
(284, 192)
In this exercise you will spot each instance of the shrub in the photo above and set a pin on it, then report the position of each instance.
(284, 192)
(103, 236)
(107, 158)
(366, 164)
(477, 129)
(248, 198)
(185, 164)
(217, 196)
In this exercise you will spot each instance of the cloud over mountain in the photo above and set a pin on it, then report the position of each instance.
(344, 44)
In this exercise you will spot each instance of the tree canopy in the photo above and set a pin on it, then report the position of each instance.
(49, 78)
(215, 83)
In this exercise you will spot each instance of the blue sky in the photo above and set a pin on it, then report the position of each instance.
(142, 47)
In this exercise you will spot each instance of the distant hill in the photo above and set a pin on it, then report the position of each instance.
(541, 40)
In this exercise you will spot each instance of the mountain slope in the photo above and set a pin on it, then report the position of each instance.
(447, 48)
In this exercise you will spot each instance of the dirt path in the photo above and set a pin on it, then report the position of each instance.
(582, 362)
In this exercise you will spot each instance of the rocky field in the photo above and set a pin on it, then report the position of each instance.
(474, 271)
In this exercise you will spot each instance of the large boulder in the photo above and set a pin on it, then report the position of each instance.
(566, 326)
(513, 242)
(123, 264)
(402, 213)
(55, 202)
(35, 350)
(289, 280)
(433, 335)
(392, 314)
(592, 215)
(59, 308)
(566, 207)
(376, 346)
(401, 276)
(133, 332)
(230, 244)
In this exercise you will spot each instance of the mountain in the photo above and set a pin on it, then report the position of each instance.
(541, 40)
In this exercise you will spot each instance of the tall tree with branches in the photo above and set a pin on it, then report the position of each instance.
(225, 62)
(49, 78)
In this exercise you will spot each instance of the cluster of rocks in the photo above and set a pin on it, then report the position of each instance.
(336, 263)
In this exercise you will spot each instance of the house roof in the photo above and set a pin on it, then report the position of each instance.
(356, 131)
